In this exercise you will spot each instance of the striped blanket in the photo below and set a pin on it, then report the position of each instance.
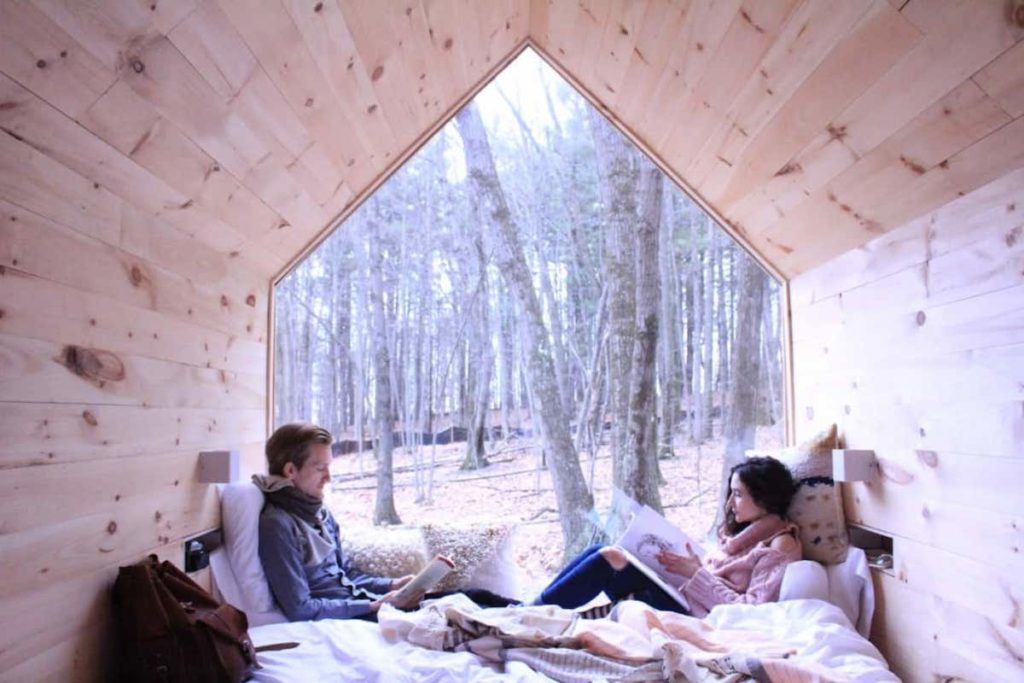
(632, 643)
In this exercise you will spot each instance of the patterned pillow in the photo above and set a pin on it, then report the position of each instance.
(481, 555)
(385, 551)
(817, 507)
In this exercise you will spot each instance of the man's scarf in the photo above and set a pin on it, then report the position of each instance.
(282, 493)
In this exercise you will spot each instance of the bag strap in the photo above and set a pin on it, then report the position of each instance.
(270, 647)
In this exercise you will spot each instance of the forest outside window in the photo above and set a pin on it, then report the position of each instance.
(525, 319)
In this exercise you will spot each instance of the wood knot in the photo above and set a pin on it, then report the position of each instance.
(94, 365)
(1017, 13)
(836, 132)
(112, 527)
(89, 418)
(157, 516)
(791, 167)
(894, 472)
(318, 7)
(136, 276)
(920, 318)
(377, 73)
(137, 65)
(928, 458)
(251, 300)
(1013, 236)
(914, 166)
(224, 301)
(41, 64)
(4, 106)
(372, 108)
(448, 44)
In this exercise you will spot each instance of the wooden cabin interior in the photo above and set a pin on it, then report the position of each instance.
(164, 161)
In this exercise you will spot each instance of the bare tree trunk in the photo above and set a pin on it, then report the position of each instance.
(618, 182)
(506, 332)
(557, 336)
(697, 345)
(586, 435)
(480, 347)
(671, 389)
(574, 500)
(284, 354)
(707, 336)
(640, 462)
(768, 410)
(384, 510)
(742, 396)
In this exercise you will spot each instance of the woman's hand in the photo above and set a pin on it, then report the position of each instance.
(680, 565)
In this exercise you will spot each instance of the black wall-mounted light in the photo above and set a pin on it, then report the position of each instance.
(198, 549)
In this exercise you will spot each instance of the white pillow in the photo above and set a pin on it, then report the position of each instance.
(846, 585)
(240, 506)
(851, 589)
(804, 580)
(497, 573)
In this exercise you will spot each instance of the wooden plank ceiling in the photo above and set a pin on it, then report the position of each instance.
(810, 126)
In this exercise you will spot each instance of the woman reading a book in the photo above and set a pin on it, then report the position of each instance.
(755, 543)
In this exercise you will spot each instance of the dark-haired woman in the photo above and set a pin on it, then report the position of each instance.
(755, 543)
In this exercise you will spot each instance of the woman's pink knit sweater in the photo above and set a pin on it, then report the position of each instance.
(745, 568)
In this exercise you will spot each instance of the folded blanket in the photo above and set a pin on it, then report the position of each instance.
(633, 643)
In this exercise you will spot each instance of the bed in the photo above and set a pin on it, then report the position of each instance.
(821, 620)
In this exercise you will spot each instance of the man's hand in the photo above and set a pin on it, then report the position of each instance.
(401, 581)
(681, 565)
(411, 601)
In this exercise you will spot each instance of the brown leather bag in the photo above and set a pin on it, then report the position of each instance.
(172, 630)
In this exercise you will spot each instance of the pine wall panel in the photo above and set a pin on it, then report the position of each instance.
(163, 162)
(914, 345)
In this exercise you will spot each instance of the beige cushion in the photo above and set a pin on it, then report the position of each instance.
(482, 556)
(817, 507)
(385, 551)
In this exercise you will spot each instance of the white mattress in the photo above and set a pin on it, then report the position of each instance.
(355, 650)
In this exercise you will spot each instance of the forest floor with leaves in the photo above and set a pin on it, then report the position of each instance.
(512, 490)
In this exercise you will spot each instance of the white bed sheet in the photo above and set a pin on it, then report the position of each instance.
(817, 630)
(355, 650)
(336, 650)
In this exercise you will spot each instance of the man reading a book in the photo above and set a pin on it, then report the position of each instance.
(755, 543)
(299, 546)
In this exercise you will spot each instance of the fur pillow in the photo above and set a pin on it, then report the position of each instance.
(385, 551)
(817, 507)
(482, 556)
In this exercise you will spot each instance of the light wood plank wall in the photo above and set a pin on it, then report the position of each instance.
(784, 116)
(160, 163)
(914, 345)
(163, 161)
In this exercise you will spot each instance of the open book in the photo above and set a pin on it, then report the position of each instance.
(427, 578)
(646, 536)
